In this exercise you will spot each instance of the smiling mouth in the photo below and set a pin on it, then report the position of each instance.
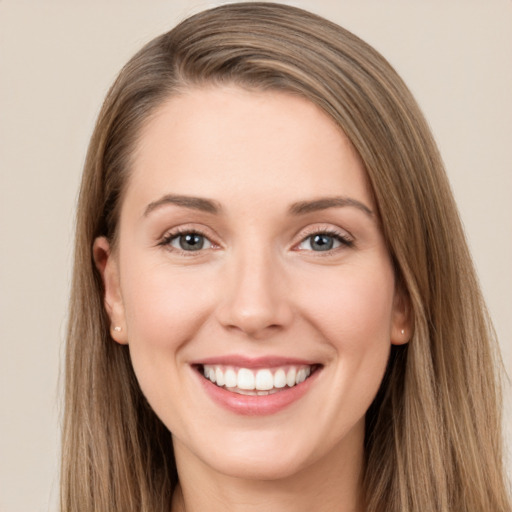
(256, 382)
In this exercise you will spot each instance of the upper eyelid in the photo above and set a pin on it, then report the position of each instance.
(181, 230)
(322, 228)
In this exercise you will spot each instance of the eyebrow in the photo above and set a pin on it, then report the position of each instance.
(304, 207)
(298, 208)
(194, 203)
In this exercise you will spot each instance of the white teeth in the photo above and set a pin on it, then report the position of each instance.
(230, 378)
(219, 377)
(290, 377)
(256, 382)
(264, 380)
(247, 392)
(245, 379)
(280, 378)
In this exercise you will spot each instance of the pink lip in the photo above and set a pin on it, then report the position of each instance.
(250, 405)
(253, 362)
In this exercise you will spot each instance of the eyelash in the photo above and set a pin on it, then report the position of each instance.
(344, 239)
(176, 233)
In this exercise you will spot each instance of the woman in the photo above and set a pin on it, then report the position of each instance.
(273, 302)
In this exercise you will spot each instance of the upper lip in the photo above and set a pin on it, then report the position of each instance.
(253, 362)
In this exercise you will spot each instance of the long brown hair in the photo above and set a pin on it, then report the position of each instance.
(433, 439)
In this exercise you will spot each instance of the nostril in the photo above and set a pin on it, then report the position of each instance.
(254, 331)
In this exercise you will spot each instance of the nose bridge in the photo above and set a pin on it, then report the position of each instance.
(255, 298)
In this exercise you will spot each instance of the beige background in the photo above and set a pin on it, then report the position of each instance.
(57, 59)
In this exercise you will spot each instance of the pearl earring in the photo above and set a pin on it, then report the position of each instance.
(117, 328)
(403, 331)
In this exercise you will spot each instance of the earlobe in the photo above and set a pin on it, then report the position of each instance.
(108, 267)
(401, 329)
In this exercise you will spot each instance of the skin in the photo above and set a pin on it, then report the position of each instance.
(257, 288)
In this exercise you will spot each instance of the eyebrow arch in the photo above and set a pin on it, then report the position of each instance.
(303, 207)
(195, 203)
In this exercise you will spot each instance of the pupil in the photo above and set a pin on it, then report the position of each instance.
(322, 242)
(191, 242)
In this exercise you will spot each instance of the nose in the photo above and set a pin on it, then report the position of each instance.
(256, 300)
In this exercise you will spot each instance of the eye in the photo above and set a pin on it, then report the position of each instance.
(188, 241)
(322, 242)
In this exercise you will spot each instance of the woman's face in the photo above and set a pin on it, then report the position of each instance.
(250, 251)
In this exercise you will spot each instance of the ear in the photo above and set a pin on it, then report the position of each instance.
(108, 266)
(401, 328)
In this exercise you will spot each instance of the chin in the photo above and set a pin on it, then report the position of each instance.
(262, 466)
(266, 454)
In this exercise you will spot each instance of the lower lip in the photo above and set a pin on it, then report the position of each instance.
(257, 405)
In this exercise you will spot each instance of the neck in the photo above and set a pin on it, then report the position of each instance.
(331, 483)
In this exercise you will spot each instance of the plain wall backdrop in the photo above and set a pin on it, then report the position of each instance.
(57, 60)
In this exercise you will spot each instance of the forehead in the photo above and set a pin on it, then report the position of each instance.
(223, 141)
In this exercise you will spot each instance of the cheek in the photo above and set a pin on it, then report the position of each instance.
(164, 310)
(163, 306)
(353, 309)
(353, 313)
